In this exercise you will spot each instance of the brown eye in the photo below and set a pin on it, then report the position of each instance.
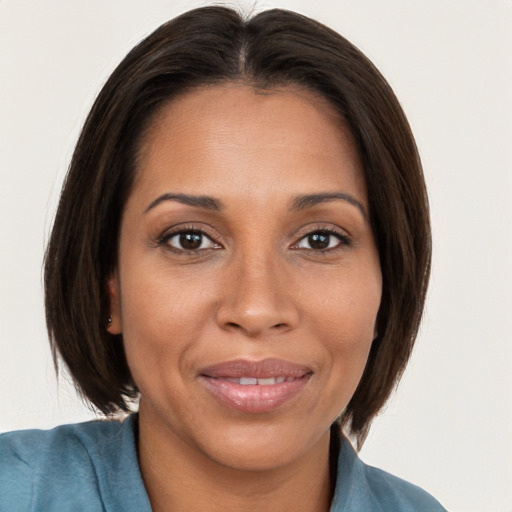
(190, 241)
(319, 240)
(322, 241)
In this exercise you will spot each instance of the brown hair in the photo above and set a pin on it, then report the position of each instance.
(207, 46)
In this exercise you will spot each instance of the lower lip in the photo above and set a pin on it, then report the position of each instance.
(254, 398)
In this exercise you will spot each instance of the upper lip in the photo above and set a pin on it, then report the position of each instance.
(266, 368)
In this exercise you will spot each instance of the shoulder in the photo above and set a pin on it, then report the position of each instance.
(45, 451)
(395, 492)
(360, 487)
(65, 468)
(34, 446)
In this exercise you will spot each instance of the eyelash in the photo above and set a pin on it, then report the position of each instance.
(163, 240)
(343, 239)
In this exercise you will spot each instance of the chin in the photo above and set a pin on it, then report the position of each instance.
(260, 448)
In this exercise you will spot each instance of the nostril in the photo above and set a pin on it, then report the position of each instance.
(237, 326)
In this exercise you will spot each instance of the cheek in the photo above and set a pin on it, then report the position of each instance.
(347, 319)
(161, 319)
(153, 297)
(347, 306)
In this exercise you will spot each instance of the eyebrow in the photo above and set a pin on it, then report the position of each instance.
(206, 202)
(300, 203)
(310, 200)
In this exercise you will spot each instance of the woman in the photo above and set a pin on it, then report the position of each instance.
(242, 245)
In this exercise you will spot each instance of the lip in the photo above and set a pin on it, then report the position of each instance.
(255, 398)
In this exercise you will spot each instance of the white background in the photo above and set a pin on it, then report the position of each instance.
(448, 428)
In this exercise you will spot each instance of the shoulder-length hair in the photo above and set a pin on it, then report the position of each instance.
(214, 45)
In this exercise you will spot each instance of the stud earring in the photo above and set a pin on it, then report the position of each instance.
(109, 321)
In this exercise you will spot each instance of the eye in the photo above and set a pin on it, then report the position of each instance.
(189, 240)
(322, 240)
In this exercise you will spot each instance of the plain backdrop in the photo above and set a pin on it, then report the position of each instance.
(448, 426)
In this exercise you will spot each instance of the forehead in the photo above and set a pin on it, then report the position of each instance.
(232, 136)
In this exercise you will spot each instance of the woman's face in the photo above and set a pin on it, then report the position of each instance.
(248, 281)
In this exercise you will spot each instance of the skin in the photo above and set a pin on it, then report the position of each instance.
(256, 288)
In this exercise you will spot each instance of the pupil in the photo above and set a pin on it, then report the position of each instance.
(319, 240)
(190, 241)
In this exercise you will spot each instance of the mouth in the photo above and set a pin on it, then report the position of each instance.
(266, 381)
(255, 387)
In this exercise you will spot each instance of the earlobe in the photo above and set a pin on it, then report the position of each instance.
(113, 322)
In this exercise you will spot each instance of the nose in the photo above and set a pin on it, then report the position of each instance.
(257, 298)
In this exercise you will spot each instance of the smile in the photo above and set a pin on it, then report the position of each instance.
(255, 387)
(252, 381)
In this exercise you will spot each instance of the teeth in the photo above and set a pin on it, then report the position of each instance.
(252, 381)
(248, 381)
(267, 382)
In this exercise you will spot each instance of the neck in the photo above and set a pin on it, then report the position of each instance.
(180, 478)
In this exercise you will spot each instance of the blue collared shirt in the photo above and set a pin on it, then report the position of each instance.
(93, 467)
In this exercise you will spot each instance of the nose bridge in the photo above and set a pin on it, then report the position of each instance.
(256, 299)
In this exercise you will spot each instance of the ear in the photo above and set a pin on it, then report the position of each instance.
(114, 326)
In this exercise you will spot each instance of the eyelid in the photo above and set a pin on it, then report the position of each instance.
(204, 239)
(345, 240)
(169, 233)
